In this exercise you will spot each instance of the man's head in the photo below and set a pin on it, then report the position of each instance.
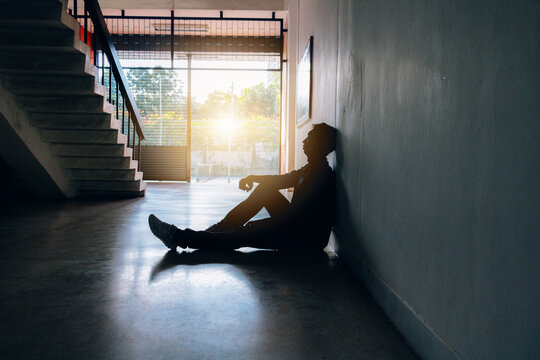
(321, 141)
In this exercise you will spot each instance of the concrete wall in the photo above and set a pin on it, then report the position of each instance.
(324, 32)
(438, 164)
(317, 18)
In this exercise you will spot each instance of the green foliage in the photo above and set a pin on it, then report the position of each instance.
(261, 100)
(161, 97)
(255, 112)
(147, 85)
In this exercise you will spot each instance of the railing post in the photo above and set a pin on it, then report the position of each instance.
(129, 127)
(102, 67)
(94, 48)
(189, 109)
(123, 112)
(75, 8)
(116, 99)
(110, 83)
(172, 39)
(139, 155)
(85, 24)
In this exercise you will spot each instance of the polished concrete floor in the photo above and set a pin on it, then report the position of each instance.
(88, 280)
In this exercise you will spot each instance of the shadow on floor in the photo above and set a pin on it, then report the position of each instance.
(261, 258)
(304, 300)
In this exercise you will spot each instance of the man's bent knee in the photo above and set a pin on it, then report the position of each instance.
(264, 191)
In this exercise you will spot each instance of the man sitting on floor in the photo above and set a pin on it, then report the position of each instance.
(302, 224)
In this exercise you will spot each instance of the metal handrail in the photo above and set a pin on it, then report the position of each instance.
(104, 37)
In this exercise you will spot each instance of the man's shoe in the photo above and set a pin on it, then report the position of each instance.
(163, 231)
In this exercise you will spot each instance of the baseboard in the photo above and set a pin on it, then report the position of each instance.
(422, 339)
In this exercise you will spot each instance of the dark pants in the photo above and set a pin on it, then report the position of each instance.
(284, 230)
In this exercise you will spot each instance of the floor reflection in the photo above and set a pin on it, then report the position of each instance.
(179, 310)
(99, 285)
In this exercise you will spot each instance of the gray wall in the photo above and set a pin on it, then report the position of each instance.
(325, 44)
(438, 165)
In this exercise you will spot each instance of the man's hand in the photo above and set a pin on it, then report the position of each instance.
(246, 183)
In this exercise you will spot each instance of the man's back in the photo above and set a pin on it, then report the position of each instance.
(313, 202)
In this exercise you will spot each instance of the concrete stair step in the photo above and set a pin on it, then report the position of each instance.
(110, 185)
(97, 136)
(90, 70)
(74, 121)
(33, 23)
(28, 34)
(109, 174)
(101, 150)
(105, 163)
(16, 58)
(31, 10)
(67, 103)
(71, 22)
(53, 84)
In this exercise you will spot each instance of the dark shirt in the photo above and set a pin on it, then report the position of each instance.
(313, 201)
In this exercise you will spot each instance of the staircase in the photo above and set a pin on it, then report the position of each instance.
(54, 106)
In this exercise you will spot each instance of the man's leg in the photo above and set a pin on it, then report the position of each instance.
(230, 233)
(270, 233)
(262, 196)
(264, 234)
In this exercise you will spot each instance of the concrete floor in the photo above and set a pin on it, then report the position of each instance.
(88, 280)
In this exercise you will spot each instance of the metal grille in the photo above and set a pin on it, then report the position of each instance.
(161, 95)
(165, 162)
(237, 43)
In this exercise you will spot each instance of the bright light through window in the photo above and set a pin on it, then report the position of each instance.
(235, 116)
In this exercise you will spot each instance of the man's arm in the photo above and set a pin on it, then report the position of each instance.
(275, 181)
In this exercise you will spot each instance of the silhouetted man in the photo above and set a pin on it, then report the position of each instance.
(304, 223)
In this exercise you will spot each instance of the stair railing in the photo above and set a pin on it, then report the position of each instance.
(99, 39)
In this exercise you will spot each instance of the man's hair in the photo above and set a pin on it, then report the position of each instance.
(326, 137)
